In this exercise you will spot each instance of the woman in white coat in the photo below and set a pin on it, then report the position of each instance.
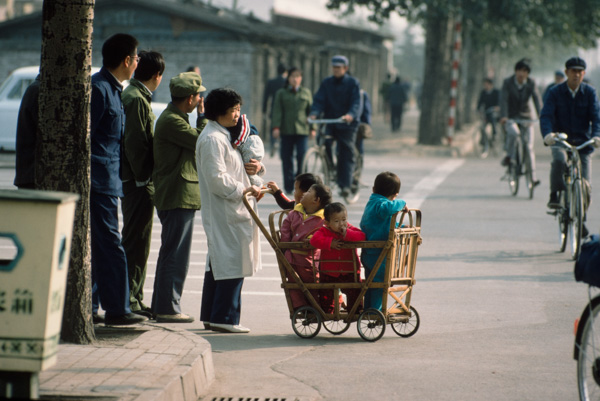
(232, 236)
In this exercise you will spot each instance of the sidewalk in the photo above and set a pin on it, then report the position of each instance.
(167, 362)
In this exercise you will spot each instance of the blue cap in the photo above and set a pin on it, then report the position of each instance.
(339, 61)
(576, 63)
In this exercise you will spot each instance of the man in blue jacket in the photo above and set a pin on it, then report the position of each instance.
(571, 108)
(339, 96)
(107, 123)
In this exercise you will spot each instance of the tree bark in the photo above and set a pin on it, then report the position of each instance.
(435, 98)
(62, 160)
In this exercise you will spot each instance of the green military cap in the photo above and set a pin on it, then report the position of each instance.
(186, 84)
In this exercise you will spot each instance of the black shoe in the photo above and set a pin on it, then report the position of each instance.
(554, 202)
(584, 231)
(97, 319)
(536, 183)
(124, 320)
(506, 161)
(143, 312)
(345, 192)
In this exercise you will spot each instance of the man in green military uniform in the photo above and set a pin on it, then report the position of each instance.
(137, 164)
(177, 194)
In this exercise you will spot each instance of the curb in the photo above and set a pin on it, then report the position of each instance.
(161, 364)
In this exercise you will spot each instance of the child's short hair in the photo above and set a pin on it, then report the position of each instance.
(307, 180)
(323, 193)
(386, 184)
(335, 207)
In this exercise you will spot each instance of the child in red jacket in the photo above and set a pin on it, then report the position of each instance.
(299, 225)
(337, 265)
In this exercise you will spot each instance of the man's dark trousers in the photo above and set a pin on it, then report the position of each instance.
(138, 212)
(345, 136)
(109, 263)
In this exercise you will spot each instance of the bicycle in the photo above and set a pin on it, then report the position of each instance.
(482, 141)
(571, 212)
(318, 161)
(521, 165)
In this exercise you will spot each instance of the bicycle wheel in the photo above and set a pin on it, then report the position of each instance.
(306, 322)
(576, 218)
(588, 360)
(513, 178)
(481, 142)
(355, 187)
(315, 162)
(562, 215)
(371, 325)
(529, 177)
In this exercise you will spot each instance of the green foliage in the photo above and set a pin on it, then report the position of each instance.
(499, 23)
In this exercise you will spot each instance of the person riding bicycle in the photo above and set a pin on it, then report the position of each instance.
(339, 95)
(489, 105)
(571, 108)
(516, 92)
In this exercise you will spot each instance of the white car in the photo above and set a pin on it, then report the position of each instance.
(12, 91)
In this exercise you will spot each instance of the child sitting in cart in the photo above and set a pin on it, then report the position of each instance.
(302, 184)
(299, 225)
(337, 265)
(375, 223)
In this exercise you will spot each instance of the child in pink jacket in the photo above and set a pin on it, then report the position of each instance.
(337, 265)
(299, 225)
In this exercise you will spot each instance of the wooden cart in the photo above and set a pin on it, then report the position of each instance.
(399, 252)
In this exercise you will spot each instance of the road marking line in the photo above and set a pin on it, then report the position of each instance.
(260, 293)
(415, 197)
(196, 277)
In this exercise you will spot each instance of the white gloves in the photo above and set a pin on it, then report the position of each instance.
(550, 139)
(596, 142)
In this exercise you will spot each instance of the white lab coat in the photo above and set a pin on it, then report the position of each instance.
(232, 235)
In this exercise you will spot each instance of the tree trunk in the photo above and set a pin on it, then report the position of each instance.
(435, 98)
(62, 160)
(472, 73)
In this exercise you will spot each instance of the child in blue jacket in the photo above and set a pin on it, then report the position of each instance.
(375, 223)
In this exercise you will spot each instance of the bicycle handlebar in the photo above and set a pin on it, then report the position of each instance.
(562, 139)
(521, 121)
(326, 120)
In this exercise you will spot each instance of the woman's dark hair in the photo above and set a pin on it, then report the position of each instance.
(323, 193)
(290, 72)
(117, 48)
(489, 81)
(387, 184)
(523, 64)
(335, 207)
(150, 63)
(219, 101)
(307, 180)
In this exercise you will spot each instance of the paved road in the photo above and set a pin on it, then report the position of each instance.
(497, 302)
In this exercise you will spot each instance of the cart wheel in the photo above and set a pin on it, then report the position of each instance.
(406, 325)
(336, 327)
(306, 322)
(371, 325)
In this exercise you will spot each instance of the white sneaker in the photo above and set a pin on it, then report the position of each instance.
(229, 328)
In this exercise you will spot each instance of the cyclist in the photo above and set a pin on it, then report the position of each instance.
(488, 104)
(571, 107)
(339, 95)
(517, 90)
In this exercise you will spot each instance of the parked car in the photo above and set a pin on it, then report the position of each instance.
(12, 91)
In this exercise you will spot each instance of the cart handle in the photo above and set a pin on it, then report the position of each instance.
(326, 120)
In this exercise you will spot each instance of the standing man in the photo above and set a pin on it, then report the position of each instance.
(138, 200)
(177, 193)
(514, 104)
(271, 88)
(27, 125)
(397, 97)
(107, 123)
(571, 108)
(339, 96)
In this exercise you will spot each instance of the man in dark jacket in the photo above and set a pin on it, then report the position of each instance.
(517, 90)
(339, 96)
(397, 97)
(571, 108)
(138, 200)
(107, 122)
